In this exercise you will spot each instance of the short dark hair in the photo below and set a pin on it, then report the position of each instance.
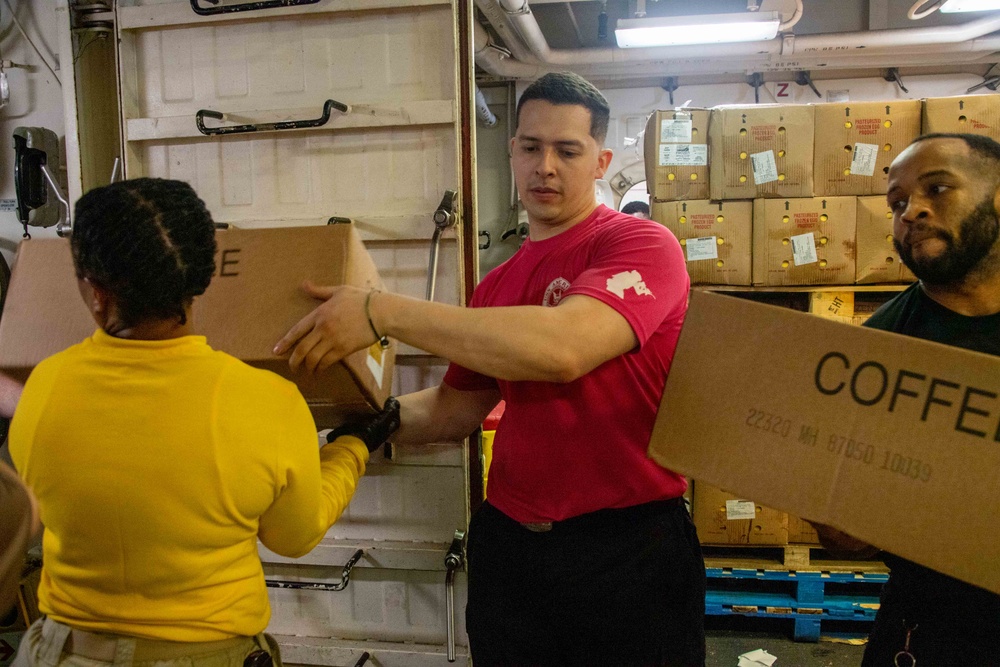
(982, 147)
(636, 206)
(148, 241)
(570, 88)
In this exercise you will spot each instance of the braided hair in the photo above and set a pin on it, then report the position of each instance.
(148, 241)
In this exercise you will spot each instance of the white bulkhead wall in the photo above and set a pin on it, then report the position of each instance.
(36, 99)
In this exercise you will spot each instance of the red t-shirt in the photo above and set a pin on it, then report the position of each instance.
(567, 449)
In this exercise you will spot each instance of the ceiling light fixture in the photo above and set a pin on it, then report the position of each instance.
(969, 6)
(700, 29)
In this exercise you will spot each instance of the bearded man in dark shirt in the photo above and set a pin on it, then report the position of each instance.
(944, 192)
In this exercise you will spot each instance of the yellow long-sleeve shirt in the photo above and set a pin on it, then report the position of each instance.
(157, 465)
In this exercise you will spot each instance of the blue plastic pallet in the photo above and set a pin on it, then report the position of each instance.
(808, 606)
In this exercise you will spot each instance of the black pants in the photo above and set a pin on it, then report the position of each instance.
(951, 623)
(615, 587)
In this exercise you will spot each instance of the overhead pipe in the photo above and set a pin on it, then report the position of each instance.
(886, 39)
(495, 61)
(498, 19)
(741, 67)
(483, 112)
(785, 26)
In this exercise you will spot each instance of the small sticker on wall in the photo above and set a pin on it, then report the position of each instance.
(804, 249)
(8, 205)
(675, 130)
(863, 162)
(737, 510)
(703, 248)
(765, 169)
(683, 155)
(376, 363)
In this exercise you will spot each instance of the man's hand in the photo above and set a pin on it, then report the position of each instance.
(374, 431)
(335, 329)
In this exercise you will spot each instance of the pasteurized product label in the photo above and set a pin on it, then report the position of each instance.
(804, 249)
(703, 248)
(683, 155)
(676, 130)
(863, 162)
(740, 509)
(765, 169)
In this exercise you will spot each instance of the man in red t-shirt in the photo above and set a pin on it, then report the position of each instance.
(584, 552)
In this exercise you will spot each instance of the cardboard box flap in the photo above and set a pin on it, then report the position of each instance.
(887, 437)
(43, 312)
(254, 298)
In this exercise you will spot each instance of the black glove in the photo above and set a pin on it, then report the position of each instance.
(375, 430)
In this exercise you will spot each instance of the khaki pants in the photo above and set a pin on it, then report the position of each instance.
(48, 643)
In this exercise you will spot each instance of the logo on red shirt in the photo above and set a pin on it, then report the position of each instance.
(554, 292)
(622, 282)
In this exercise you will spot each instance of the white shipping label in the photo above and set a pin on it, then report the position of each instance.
(804, 249)
(676, 130)
(765, 169)
(683, 155)
(703, 248)
(863, 162)
(740, 509)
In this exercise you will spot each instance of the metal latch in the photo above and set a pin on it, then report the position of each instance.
(444, 217)
(453, 560)
(345, 578)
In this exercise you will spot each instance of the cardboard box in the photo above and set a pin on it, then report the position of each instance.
(722, 518)
(878, 261)
(804, 241)
(716, 237)
(760, 151)
(837, 306)
(254, 298)
(889, 438)
(857, 141)
(676, 154)
(971, 114)
(801, 531)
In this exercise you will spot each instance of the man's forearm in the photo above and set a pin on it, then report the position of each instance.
(442, 414)
(509, 343)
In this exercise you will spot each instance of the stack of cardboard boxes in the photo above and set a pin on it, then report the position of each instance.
(783, 196)
(775, 195)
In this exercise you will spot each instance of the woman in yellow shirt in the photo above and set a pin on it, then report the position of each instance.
(157, 461)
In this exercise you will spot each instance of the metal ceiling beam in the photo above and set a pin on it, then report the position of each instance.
(878, 14)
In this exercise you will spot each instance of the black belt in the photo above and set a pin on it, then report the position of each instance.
(605, 515)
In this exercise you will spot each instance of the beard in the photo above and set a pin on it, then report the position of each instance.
(977, 234)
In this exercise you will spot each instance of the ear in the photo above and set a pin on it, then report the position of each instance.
(603, 162)
(96, 298)
(510, 148)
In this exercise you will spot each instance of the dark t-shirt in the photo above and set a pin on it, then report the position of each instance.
(913, 313)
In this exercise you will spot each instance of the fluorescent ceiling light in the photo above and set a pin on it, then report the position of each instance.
(969, 6)
(701, 29)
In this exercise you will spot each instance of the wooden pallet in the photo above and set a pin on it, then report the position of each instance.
(786, 557)
(795, 582)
